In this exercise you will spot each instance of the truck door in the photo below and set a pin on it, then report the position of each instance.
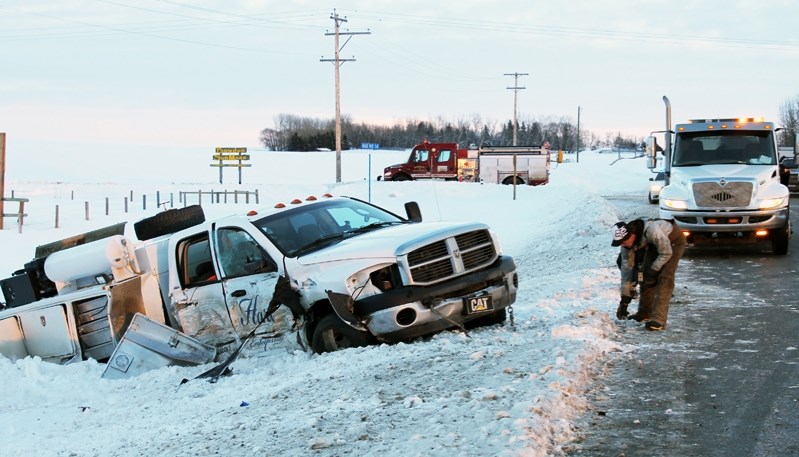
(249, 275)
(444, 164)
(420, 168)
(227, 289)
(200, 306)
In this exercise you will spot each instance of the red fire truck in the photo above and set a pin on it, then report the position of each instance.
(499, 165)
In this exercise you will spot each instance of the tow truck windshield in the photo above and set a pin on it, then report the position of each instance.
(724, 147)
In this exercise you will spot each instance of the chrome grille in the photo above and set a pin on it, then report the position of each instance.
(714, 195)
(451, 257)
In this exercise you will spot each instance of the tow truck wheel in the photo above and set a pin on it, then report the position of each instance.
(332, 334)
(400, 177)
(779, 240)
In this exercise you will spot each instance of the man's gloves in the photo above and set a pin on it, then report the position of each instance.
(621, 311)
(650, 277)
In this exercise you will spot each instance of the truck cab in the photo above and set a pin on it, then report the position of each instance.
(723, 182)
(427, 160)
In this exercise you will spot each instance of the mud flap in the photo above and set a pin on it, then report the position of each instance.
(147, 345)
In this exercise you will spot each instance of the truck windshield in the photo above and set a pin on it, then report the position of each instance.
(308, 228)
(724, 147)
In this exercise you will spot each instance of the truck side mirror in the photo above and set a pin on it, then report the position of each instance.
(651, 152)
(413, 212)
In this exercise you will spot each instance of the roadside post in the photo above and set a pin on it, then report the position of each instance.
(2, 175)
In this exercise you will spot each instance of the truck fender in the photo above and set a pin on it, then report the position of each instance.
(344, 306)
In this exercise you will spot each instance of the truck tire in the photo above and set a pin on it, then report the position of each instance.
(332, 334)
(779, 240)
(497, 317)
(401, 177)
(510, 179)
(169, 221)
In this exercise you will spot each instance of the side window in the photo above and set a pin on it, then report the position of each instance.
(240, 255)
(444, 155)
(421, 155)
(194, 261)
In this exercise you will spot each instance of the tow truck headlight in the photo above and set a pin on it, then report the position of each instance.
(769, 203)
(674, 204)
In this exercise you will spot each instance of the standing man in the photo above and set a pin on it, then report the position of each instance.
(664, 244)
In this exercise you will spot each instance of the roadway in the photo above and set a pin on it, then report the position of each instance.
(723, 378)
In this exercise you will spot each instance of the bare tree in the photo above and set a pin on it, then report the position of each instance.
(789, 118)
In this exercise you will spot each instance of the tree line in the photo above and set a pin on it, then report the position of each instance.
(298, 133)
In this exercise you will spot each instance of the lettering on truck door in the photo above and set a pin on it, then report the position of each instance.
(249, 276)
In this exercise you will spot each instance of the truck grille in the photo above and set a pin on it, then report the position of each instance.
(451, 257)
(714, 195)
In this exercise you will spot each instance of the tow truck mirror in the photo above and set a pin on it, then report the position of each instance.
(788, 163)
(413, 212)
(651, 152)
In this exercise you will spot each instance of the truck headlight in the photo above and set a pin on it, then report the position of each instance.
(674, 204)
(769, 203)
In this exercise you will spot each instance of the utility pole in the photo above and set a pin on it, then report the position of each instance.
(516, 90)
(2, 175)
(338, 62)
(578, 134)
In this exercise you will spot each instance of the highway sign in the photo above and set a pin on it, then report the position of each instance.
(231, 157)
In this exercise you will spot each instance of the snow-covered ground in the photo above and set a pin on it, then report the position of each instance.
(504, 390)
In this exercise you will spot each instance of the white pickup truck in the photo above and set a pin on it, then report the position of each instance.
(319, 274)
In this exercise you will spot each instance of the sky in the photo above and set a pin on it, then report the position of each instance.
(500, 391)
(90, 76)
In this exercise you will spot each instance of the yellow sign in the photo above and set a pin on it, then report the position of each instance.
(231, 157)
(231, 150)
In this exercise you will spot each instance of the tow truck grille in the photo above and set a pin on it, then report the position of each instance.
(451, 257)
(715, 195)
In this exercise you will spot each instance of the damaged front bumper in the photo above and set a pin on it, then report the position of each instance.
(414, 311)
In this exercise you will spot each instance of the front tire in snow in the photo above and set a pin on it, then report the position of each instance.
(332, 334)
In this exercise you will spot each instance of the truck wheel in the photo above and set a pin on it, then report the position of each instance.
(169, 221)
(497, 317)
(511, 179)
(652, 200)
(779, 240)
(401, 177)
(332, 334)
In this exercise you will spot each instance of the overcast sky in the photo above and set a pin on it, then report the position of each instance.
(95, 74)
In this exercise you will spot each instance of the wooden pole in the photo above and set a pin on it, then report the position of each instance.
(21, 216)
(2, 175)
